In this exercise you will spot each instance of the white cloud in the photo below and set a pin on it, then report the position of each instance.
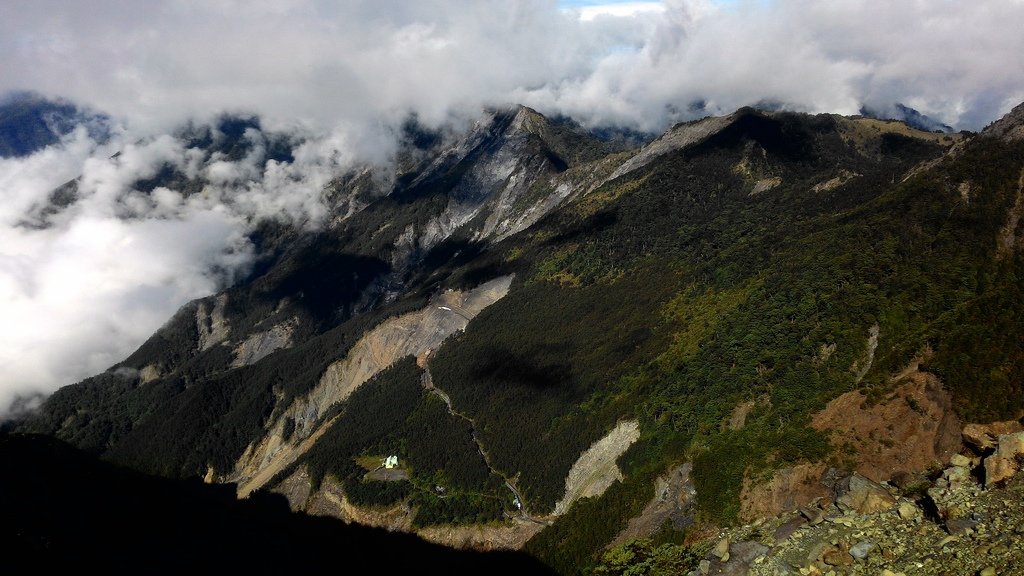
(591, 11)
(82, 288)
(365, 63)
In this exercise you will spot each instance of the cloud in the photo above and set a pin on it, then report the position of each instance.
(80, 294)
(952, 61)
(83, 287)
(591, 10)
(360, 63)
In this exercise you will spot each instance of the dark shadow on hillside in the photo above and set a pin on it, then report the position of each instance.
(62, 509)
(508, 368)
(321, 278)
(786, 136)
(597, 222)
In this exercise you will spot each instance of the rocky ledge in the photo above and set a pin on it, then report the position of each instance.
(965, 519)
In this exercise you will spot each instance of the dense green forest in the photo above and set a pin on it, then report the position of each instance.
(745, 292)
(393, 414)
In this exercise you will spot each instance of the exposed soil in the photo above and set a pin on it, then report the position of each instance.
(912, 429)
(673, 502)
(596, 469)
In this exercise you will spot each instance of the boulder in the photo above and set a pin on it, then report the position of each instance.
(1004, 462)
(732, 559)
(999, 469)
(957, 475)
(950, 504)
(961, 525)
(813, 515)
(1011, 445)
(908, 511)
(984, 438)
(858, 494)
(960, 460)
(786, 529)
(721, 549)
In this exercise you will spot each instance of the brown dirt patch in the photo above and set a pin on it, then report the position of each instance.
(787, 489)
(912, 429)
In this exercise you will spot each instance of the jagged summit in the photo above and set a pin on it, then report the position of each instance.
(1010, 127)
(907, 115)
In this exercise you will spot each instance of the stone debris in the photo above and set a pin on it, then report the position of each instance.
(868, 528)
(862, 549)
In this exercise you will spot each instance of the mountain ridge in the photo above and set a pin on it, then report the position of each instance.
(749, 259)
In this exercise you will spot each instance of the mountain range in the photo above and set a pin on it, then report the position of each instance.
(554, 329)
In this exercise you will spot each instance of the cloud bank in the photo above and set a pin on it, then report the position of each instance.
(359, 63)
(80, 294)
(83, 285)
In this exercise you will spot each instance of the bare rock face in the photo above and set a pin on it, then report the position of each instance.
(788, 489)
(596, 470)
(911, 430)
(148, 373)
(831, 184)
(211, 323)
(674, 495)
(510, 535)
(414, 333)
(738, 418)
(677, 138)
(262, 344)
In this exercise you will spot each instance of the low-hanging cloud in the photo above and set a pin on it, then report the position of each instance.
(80, 292)
(84, 283)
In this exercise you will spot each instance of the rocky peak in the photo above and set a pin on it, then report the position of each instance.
(528, 120)
(678, 137)
(1010, 127)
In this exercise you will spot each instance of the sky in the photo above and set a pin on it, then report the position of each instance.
(80, 295)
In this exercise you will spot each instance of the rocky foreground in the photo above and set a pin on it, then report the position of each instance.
(967, 519)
